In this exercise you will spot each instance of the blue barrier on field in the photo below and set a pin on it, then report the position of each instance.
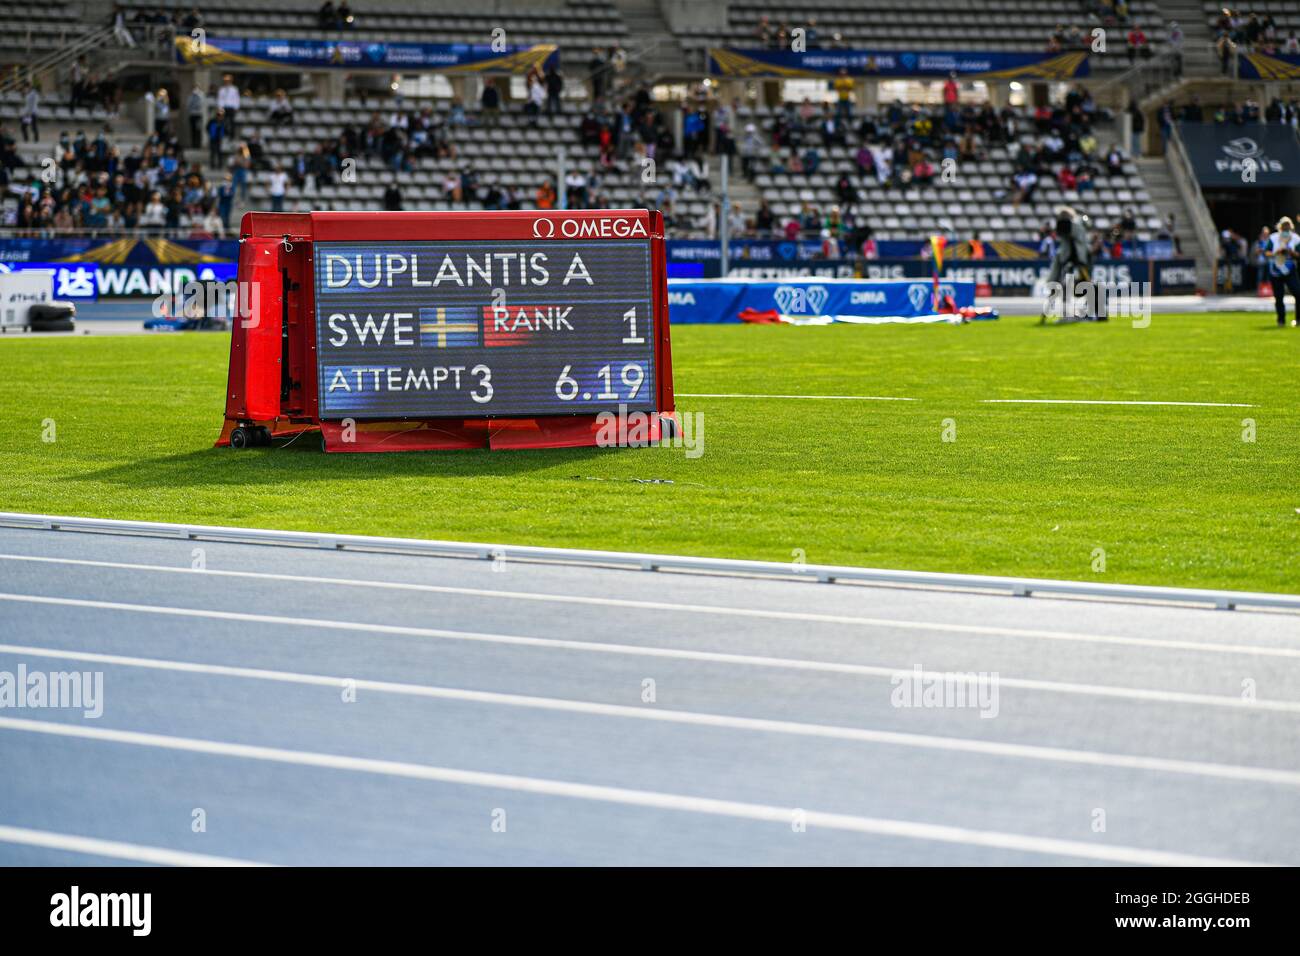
(719, 300)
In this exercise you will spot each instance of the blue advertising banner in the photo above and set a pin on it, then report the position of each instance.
(969, 64)
(120, 251)
(723, 300)
(1252, 156)
(756, 253)
(89, 281)
(364, 55)
(87, 268)
(1166, 276)
(1001, 277)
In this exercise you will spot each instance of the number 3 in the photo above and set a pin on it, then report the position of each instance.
(485, 381)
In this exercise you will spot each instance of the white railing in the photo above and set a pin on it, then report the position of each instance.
(1024, 587)
(1189, 190)
(29, 72)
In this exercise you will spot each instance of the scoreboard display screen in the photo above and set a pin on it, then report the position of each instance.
(475, 329)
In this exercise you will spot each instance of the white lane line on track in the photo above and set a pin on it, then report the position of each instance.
(815, 398)
(1080, 401)
(135, 852)
(856, 670)
(976, 629)
(630, 797)
(761, 725)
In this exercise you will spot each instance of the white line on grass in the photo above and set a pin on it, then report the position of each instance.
(628, 797)
(808, 616)
(1081, 401)
(829, 398)
(136, 853)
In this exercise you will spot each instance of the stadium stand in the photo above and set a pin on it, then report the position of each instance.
(450, 149)
(28, 29)
(572, 24)
(1265, 25)
(989, 25)
(980, 199)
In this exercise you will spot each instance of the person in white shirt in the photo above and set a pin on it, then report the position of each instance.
(120, 30)
(1174, 36)
(155, 213)
(31, 114)
(884, 163)
(736, 221)
(212, 224)
(1283, 270)
(162, 113)
(280, 111)
(575, 187)
(536, 97)
(710, 221)
(228, 100)
(278, 184)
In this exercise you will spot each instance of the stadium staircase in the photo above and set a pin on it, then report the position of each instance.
(1200, 71)
(1167, 198)
(650, 43)
(56, 62)
(1198, 42)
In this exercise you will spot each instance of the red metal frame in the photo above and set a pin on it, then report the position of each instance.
(276, 254)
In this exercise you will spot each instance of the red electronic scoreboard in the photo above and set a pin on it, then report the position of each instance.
(426, 330)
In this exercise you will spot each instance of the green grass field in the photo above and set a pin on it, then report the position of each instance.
(1173, 495)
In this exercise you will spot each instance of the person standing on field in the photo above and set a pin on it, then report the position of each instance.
(1283, 269)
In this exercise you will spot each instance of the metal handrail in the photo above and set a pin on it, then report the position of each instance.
(55, 59)
(1161, 60)
(1184, 176)
(1024, 587)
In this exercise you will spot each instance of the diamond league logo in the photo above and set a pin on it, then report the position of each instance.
(792, 300)
(919, 294)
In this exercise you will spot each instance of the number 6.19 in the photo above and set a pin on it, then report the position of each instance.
(567, 388)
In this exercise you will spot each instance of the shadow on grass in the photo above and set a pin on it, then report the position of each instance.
(302, 463)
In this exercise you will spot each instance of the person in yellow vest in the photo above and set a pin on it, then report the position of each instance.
(844, 88)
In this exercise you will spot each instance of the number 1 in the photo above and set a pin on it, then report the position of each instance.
(632, 339)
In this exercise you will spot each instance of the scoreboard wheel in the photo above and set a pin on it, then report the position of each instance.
(240, 438)
(262, 436)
